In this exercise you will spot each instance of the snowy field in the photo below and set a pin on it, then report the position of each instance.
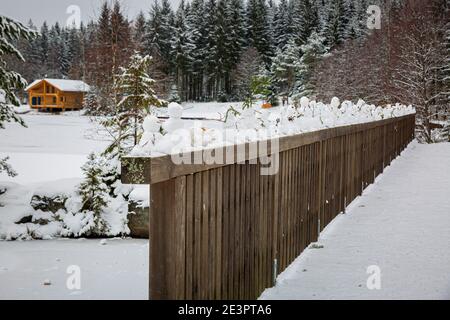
(401, 224)
(117, 269)
(53, 147)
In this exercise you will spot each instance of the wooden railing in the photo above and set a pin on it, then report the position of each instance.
(225, 231)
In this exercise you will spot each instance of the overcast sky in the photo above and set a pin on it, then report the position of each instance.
(55, 10)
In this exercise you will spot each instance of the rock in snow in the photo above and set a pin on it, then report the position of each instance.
(47, 282)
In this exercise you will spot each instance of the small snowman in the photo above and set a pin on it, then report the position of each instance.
(360, 103)
(247, 119)
(335, 102)
(231, 121)
(175, 114)
(152, 132)
(304, 102)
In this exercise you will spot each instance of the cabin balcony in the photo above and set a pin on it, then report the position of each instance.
(51, 106)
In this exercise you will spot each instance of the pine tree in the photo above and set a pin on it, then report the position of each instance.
(258, 33)
(121, 34)
(174, 95)
(91, 103)
(197, 31)
(139, 32)
(285, 67)
(10, 81)
(236, 17)
(99, 59)
(44, 43)
(312, 52)
(221, 53)
(282, 22)
(135, 87)
(271, 12)
(181, 51)
(74, 53)
(304, 19)
(94, 193)
(336, 23)
(160, 31)
(249, 66)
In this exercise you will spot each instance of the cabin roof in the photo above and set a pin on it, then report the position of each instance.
(63, 85)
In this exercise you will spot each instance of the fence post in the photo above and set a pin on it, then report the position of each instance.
(167, 239)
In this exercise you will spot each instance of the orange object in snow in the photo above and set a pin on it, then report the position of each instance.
(266, 106)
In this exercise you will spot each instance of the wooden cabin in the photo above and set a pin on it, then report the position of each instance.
(56, 94)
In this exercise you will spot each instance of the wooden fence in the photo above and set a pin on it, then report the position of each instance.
(226, 232)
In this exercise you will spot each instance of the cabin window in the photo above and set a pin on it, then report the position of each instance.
(61, 99)
(54, 100)
(36, 101)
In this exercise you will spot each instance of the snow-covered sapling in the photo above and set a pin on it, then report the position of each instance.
(94, 192)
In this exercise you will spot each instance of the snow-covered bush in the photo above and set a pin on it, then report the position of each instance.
(441, 134)
(93, 207)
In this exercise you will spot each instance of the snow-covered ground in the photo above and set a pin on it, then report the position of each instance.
(52, 147)
(115, 269)
(401, 224)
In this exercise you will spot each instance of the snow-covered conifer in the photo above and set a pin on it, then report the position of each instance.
(137, 98)
(94, 193)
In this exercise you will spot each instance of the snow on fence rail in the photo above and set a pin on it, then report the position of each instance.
(224, 231)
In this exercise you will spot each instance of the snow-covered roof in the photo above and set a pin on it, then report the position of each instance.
(63, 85)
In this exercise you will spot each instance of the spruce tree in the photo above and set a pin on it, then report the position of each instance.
(258, 30)
(135, 87)
(121, 34)
(196, 29)
(181, 50)
(236, 17)
(285, 67)
(282, 23)
(44, 43)
(94, 193)
(222, 51)
(160, 31)
(312, 52)
(139, 32)
(336, 25)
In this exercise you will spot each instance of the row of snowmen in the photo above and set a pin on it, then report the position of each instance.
(252, 124)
